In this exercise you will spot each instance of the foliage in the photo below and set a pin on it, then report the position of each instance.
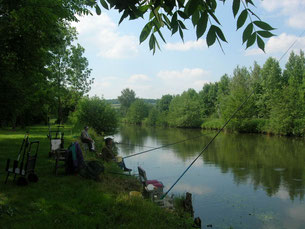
(98, 114)
(137, 112)
(127, 97)
(184, 110)
(172, 14)
(277, 105)
(30, 31)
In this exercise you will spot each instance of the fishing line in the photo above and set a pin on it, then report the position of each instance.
(238, 109)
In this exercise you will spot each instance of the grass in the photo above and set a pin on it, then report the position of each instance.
(72, 201)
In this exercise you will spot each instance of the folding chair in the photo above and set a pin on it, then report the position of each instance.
(56, 141)
(157, 190)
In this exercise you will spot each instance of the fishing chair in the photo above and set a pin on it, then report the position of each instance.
(26, 167)
(56, 141)
(157, 190)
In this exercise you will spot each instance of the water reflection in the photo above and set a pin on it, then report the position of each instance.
(273, 164)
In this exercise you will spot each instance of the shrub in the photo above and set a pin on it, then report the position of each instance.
(96, 113)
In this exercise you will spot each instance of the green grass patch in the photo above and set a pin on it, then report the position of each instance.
(71, 201)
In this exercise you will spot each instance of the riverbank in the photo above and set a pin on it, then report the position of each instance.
(72, 201)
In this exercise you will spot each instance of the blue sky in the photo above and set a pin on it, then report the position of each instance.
(118, 61)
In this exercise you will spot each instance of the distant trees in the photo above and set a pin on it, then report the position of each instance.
(137, 112)
(127, 97)
(277, 106)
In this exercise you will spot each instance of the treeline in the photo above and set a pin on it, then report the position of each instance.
(277, 105)
(42, 71)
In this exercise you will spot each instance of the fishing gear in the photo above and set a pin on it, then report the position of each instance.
(238, 109)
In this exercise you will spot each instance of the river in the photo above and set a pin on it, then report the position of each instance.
(241, 181)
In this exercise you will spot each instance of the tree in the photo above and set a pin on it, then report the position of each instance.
(184, 110)
(164, 102)
(98, 114)
(137, 112)
(29, 31)
(208, 99)
(127, 97)
(240, 86)
(171, 14)
(68, 71)
(271, 85)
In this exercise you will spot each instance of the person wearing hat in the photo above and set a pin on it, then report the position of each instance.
(85, 138)
(107, 155)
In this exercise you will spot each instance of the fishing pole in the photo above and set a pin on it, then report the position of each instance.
(174, 143)
(218, 132)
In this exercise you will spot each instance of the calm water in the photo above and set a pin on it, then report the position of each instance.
(242, 180)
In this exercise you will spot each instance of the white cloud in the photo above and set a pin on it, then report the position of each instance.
(178, 81)
(294, 9)
(297, 20)
(279, 44)
(103, 33)
(102, 85)
(138, 77)
(180, 46)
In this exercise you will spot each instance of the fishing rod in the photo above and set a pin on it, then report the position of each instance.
(174, 143)
(226, 123)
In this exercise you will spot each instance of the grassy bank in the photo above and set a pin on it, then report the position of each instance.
(72, 201)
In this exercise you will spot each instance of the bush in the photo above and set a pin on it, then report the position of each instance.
(96, 113)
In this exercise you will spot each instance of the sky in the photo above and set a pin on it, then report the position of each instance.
(119, 61)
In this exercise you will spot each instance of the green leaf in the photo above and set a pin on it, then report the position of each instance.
(251, 40)
(202, 25)
(263, 25)
(214, 17)
(265, 34)
(195, 17)
(181, 33)
(191, 7)
(182, 14)
(152, 41)
(249, 1)
(144, 8)
(166, 21)
(220, 34)
(235, 7)
(181, 24)
(104, 4)
(242, 19)
(211, 37)
(145, 32)
(247, 32)
(125, 14)
(260, 43)
(98, 10)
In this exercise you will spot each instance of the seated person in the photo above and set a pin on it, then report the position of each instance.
(107, 155)
(85, 138)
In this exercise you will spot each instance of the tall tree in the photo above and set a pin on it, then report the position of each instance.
(208, 99)
(68, 71)
(184, 110)
(240, 86)
(127, 97)
(29, 31)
